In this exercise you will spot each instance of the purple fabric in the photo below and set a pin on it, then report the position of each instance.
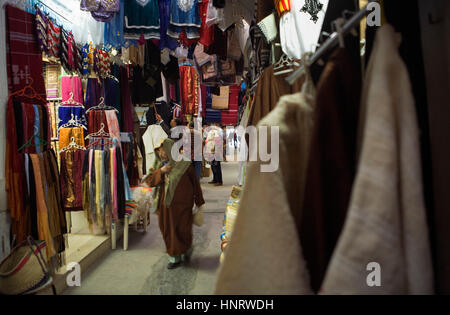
(89, 5)
(164, 14)
(93, 93)
(102, 16)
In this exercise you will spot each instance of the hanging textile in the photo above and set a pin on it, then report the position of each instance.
(206, 31)
(24, 58)
(141, 16)
(114, 30)
(93, 93)
(270, 204)
(71, 179)
(71, 85)
(386, 219)
(188, 89)
(66, 134)
(184, 16)
(269, 90)
(330, 176)
(71, 116)
(165, 41)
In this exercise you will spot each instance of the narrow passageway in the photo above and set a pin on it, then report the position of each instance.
(142, 268)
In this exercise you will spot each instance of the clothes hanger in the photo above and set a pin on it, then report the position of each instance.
(331, 42)
(72, 145)
(73, 122)
(29, 88)
(71, 102)
(29, 142)
(102, 106)
(99, 134)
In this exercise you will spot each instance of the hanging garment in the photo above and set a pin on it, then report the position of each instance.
(219, 45)
(165, 41)
(170, 70)
(14, 173)
(184, 15)
(71, 179)
(188, 89)
(233, 48)
(114, 30)
(113, 124)
(270, 203)
(111, 90)
(24, 58)
(71, 85)
(330, 176)
(269, 90)
(142, 16)
(53, 39)
(93, 93)
(64, 52)
(127, 106)
(386, 220)
(71, 116)
(65, 135)
(294, 40)
(96, 119)
(206, 31)
(41, 29)
(42, 210)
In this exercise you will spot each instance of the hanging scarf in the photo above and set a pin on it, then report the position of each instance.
(171, 179)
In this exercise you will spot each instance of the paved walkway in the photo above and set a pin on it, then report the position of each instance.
(142, 269)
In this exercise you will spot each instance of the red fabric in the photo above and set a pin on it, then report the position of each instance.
(185, 41)
(96, 118)
(53, 39)
(229, 117)
(24, 58)
(206, 33)
(233, 101)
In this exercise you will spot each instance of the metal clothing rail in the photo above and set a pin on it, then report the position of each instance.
(331, 42)
(53, 10)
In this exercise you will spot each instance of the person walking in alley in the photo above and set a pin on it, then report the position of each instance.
(176, 190)
(215, 136)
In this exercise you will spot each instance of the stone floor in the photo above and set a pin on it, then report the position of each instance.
(142, 268)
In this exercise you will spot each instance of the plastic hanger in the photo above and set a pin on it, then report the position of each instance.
(99, 134)
(71, 102)
(73, 122)
(102, 106)
(29, 87)
(29, 142)
(72, 145)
